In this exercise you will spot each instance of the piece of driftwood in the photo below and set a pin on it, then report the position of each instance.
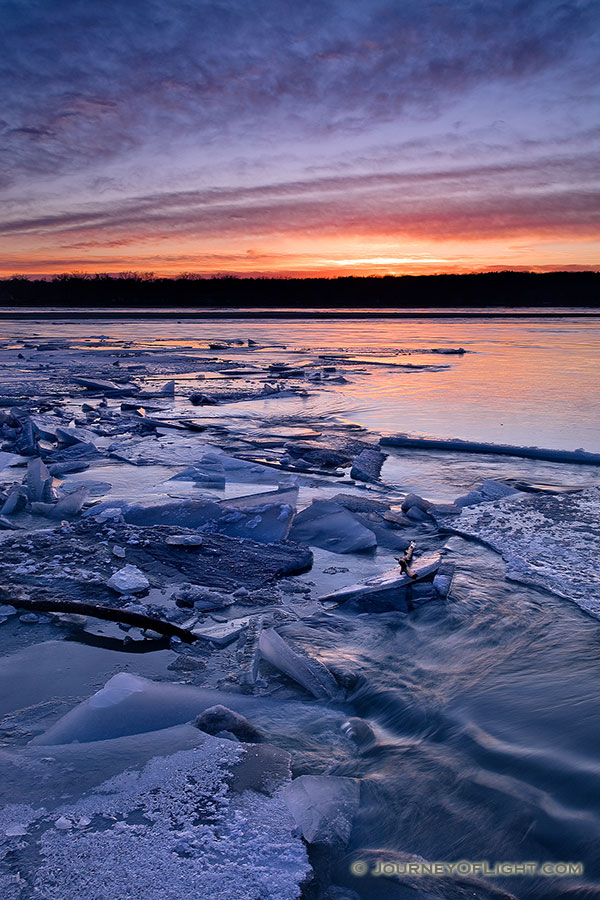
(138, 620)
(405, 560)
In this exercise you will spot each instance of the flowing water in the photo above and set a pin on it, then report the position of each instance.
(485, 708)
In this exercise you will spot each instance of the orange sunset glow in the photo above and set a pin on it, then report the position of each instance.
(362, 140)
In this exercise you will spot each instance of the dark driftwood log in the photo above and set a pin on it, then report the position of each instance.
(104, 612)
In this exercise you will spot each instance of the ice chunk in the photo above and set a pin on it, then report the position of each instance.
(388, 587)
(416, 514)
(307, 671)
(96, 384)
(265, 523)
(16, 500)
(495, 490)
(127, 704)
(128, 580)
(174, 826)
(470, 499)
(38, 481)
(414, 500)
(182, 513)
(69, 506)
(168, 389)
(131, 705)
(250, 659)
(328, 525)
(208, 471)
(45, 427)
(367, 465)
(551, 541)
(221, 633)
(72, 436)
(324, 807)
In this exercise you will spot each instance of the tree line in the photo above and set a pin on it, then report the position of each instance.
(134, 289)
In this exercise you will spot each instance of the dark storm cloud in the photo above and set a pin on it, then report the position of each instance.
(83, 83)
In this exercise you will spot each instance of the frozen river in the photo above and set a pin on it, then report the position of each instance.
(474, 722)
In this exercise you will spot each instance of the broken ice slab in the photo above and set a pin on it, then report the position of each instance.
(304, 669)
(388, 587)
(101, 384)
(324, 807)
(128, 580)
(551, 541)
(179, 449)
(130, 704)
(45, 426)
(367, 465)
(72, 435)
(330, 526)
(38, 481)
(16, 500)
(287, 495)
(127, 704)
(208, 471)
(69, 506)
(457, 445)
(221, 634)
(180, 513)
(250, 658)
(66, 508)
(493, 489)
(267, 523)
(264, 523)
(175, 825)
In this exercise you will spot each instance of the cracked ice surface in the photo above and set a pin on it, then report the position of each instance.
(551, 542)
(173, 829)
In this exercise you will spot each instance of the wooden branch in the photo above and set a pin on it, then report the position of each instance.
(405, 561)
(138, 620)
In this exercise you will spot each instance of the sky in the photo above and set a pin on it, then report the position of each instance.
(299, 137)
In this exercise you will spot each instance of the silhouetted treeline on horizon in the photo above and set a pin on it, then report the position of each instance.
(131, 289)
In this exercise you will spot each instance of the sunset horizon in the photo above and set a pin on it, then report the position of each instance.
(322, 140)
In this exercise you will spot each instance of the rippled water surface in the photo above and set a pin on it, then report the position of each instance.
(524, 380)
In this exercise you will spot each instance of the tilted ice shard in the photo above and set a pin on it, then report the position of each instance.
(306, 670)
(324, 807)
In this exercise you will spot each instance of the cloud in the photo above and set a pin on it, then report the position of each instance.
(548, 195)
(129, 123)
(84, 83)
